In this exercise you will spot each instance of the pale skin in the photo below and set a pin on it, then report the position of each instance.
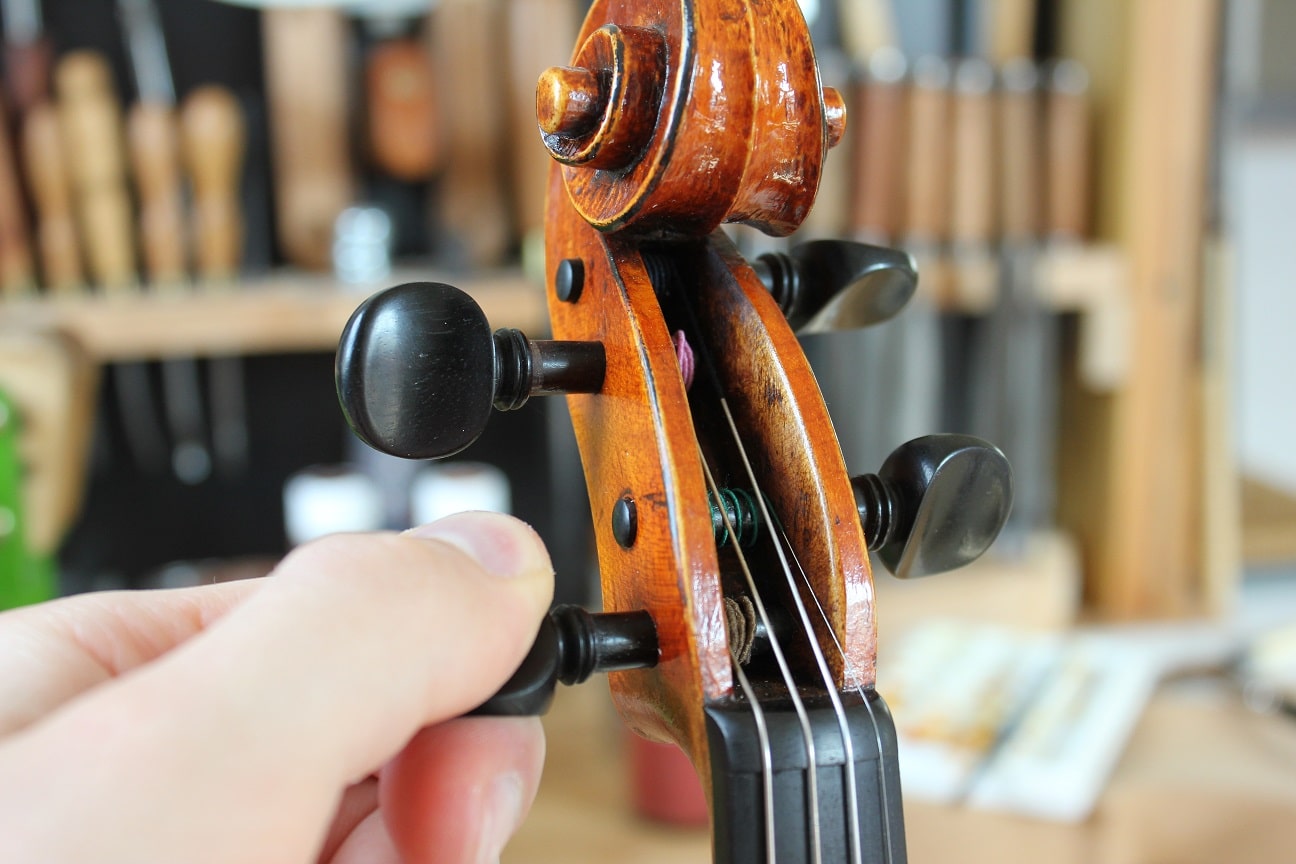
(313, 715)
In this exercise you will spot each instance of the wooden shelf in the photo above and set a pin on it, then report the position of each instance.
(1268, 524)
(1090, 280)
(282, 313)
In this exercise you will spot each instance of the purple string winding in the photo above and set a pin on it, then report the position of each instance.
(685, 355)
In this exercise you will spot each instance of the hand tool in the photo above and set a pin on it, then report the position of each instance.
(154, 146)
(306, 90)
(92, 129)
(537, 32)
(915, 336)
(213, 140)
(1067, 164)
(1021, 331)
(860, 366)
(27, 55)
(402, 131)
(473, 205)
(17, 271)
(45, 162)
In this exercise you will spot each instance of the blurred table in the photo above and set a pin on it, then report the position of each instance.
(1202, 780)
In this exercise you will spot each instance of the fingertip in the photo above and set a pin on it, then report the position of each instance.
(501, 544)
(459, 790)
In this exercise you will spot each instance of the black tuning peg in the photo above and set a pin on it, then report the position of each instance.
(418, 370)
(838, 284)
(573, 644)
(937, 503)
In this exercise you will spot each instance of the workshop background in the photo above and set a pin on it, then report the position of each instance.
(1098, 196)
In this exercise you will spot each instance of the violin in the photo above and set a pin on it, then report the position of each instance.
(733, 545)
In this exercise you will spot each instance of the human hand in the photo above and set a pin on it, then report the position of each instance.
(306, 716)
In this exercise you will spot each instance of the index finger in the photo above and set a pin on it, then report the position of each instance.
(314, 682)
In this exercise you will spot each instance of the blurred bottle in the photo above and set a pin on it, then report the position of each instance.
(329, 499)
(454, 487)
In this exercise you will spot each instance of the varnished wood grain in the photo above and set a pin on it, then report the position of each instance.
(706, 112)
(636, 439)
(730, 134)
(787, 433)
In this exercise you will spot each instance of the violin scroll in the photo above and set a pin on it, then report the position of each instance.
(668, 123)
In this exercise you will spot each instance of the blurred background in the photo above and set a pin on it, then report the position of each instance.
(194, 196)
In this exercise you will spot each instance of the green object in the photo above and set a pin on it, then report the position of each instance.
(25, 576)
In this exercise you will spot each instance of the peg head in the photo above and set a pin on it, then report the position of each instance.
(415, 371)
(937, 503)
(838, 284)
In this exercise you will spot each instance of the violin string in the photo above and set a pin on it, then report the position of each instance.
(803, 716)
(854, 682)
(767, 756)
(816, 650)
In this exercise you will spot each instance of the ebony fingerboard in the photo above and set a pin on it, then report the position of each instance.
(738, 805)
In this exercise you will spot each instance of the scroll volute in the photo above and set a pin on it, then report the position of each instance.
(670, 121)
(670, 166)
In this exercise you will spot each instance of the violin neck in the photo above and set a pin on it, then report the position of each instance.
(741, 809)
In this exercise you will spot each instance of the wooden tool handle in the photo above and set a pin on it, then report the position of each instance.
(1010, 26)
(44, 160)
(155, 160)
(213, 133)
(879, 158)
(403, 112)
(306, 88)
(973, 164)
(27, 75)
(1020, 151)
(928, 170)
(1068, 165)
(92, 130)
(17, 272)
(473, 202)
(540, 32)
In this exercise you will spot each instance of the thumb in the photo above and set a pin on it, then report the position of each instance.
(319, 678)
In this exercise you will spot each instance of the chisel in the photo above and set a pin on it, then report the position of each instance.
(91, 122)
(17, 270)
(539, 33)
(473, 204)
(306, 89)
(1022, 330)
(213, 140)
(153, 142)
(45, 165)
(27, 56)
(402, 128)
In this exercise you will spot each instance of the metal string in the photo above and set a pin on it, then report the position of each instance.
(803, 716)
(853, 678)
(767, 757)
(848, 745)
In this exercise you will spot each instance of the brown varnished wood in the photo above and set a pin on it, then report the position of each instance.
(696, 127)
(705, 111)
(636, 438)
(789, 437)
